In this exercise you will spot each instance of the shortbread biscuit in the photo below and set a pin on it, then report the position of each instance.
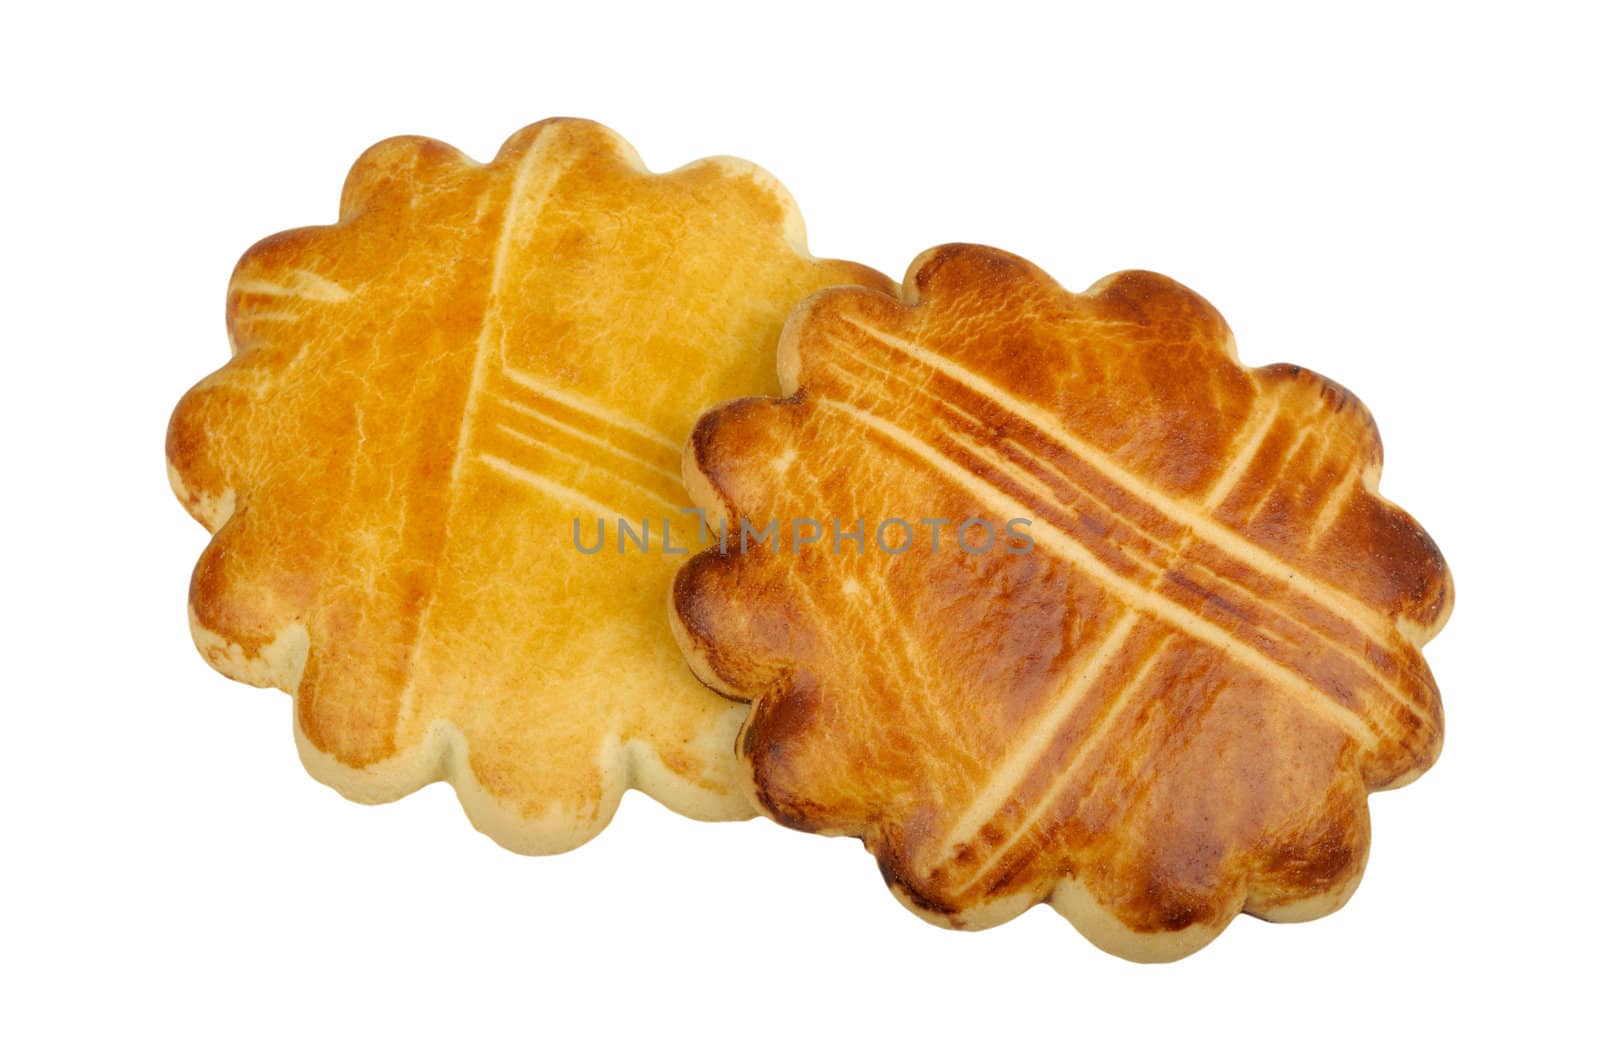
(422, 399)
(1163, 692)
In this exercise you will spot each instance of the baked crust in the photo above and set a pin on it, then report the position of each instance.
(1170, 709)
(421, 399)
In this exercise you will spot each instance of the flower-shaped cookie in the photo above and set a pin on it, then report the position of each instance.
(423, 399)
(1063, 603)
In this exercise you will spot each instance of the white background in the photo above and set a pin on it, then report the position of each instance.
(1402, 198)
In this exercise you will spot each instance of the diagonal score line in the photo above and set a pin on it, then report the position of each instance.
(1333, 506)
(1285, 464)
(1013, 768)
(593, 440)
(310, 286)
(1264, 413)
(266, 315)
(546, 445)
(550, 487)
(1132, 594)
(1085, 749)
(1204, 524)
(583, 404)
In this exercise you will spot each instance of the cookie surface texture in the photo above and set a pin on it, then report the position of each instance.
(1161, 701)
(422, 399)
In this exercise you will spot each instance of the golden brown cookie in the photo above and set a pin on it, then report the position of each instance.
(1161, 701)
(422, 399)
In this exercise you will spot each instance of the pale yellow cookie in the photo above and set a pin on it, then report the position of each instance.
(421, 400)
